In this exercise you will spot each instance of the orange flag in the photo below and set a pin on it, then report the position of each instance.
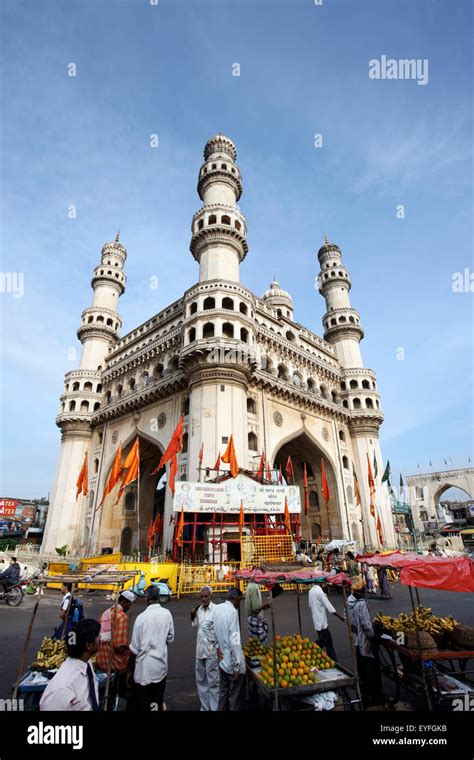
(289, 470)
(229, 457)
(174, 446)
(371, 488)
(180, 528)
(324, 483)
(261, 466)
(115, 474)
(217, 465)
(356, 486)
(306, 494)
(172, 475)
(132, 465)
(241, 517)
(287, 518)
(269, 472)
(82, 481)
(201, 454)
(150, 535)
(379, 530)
(280, 476)
(157, 525)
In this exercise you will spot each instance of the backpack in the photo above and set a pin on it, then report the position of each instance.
(76, 612)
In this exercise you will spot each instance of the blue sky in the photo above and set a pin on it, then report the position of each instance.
(167, 69)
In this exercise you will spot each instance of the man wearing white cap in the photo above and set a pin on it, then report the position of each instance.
(114, 652)
(207, 666)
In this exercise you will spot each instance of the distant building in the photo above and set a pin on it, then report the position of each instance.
(23, 519)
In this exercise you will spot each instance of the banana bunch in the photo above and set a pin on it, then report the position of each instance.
(51, 654)
(425, 621)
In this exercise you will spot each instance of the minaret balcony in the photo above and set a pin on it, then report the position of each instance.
(219, 234)
(209, 175)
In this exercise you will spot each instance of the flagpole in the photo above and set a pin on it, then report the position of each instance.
(138, 503)
(99, 475)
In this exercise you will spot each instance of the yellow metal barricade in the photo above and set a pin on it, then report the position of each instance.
(257, 550)
(191, 578)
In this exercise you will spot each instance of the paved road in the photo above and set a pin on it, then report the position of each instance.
(181, 691)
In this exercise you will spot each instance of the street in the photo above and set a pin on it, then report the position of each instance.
(181, 691)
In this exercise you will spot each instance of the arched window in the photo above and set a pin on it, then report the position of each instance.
(110, 321)
(200, 224)
(131, 383)
(342, 319)
(309, 471)
(192, 335)
(351, 319)
(356, 403)
(88, 386)
(119, 391)
(224, 166)
(228, 330)
(253, 442)
(314, 501)
(158, 371)
(227, 303)
(366, 384)
(75, 386)
(99, 388)
(173, 364)
(377, 404)
(334, 397)
(100, 318)
(108, 396)
(209, 303)
(243, 308)
(208, 330)
(96, 465)
(342, 437)
(101, 437)
(84, 406)
(237, 224)
(343, 386)
(96, 406)
(184, 449)
(282, 372)
(193, 308)
(212, 219)
(345, 404)
(353, 384)
(145, 378)
(279, 312)
(251, 406)
(369, 403)
(333, 322)
(350, 496)
(72, 406)
(345, 463)
(225, 219)
(91, 319)
(244, 336)
(310, 384)
(323, 391)
(186, 406)
(129, 504)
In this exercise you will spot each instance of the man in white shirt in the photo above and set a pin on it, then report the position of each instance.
(207, 666)
(319, 606)
(232, 660)
(74, 687)
(152, 632)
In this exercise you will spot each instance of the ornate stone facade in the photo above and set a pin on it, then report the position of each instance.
(232, 362)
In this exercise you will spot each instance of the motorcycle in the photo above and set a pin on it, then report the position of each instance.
(13, 596)
(162, 583)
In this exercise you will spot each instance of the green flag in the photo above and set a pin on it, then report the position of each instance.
(401, 481)
(386, 474)
(376, 469)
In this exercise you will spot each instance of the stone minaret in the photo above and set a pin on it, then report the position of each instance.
(359, 392)
(98, 333)
(218, 329)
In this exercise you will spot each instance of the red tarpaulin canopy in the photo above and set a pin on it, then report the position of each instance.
(447, 573)
(303, 575)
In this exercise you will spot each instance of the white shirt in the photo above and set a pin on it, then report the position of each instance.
(205, 648)
(227, 630)
(65, 601)
(152, 632)
(69, 688)
(319, 605)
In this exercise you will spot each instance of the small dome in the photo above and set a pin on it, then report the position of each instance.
(328, 247)
(276, 294)
(115, 246)
(220, 144)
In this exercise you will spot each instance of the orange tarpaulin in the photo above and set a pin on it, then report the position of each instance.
(444, 573)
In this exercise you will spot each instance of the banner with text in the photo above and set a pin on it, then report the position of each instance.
(225, 497)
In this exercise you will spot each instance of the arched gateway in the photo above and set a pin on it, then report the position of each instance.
(234, 363)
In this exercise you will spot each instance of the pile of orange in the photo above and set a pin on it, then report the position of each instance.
(254, 648)
(297, 662)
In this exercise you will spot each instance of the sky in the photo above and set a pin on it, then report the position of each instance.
(168, 69)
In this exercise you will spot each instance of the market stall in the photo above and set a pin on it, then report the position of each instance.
(321, 675)
(421, 652)
(30, 685)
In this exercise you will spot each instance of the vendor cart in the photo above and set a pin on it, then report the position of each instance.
(432, 678)
(33, 683)
(338, 679)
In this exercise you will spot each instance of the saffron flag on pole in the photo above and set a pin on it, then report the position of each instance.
(201, 454)
(379, 530)
(173, 470)
(180, 529)
(261, 466)
(287, 518)
(217, 465)
(115, 474)
(356, 485)
(132, 466)
(376, 469)
(241, 518)
(229, 457)
(174, 446)
(269, 472)
(371, 487)
(150, 535)
(82, 481)
(324, 483)
(306, 494)
(289, 469)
